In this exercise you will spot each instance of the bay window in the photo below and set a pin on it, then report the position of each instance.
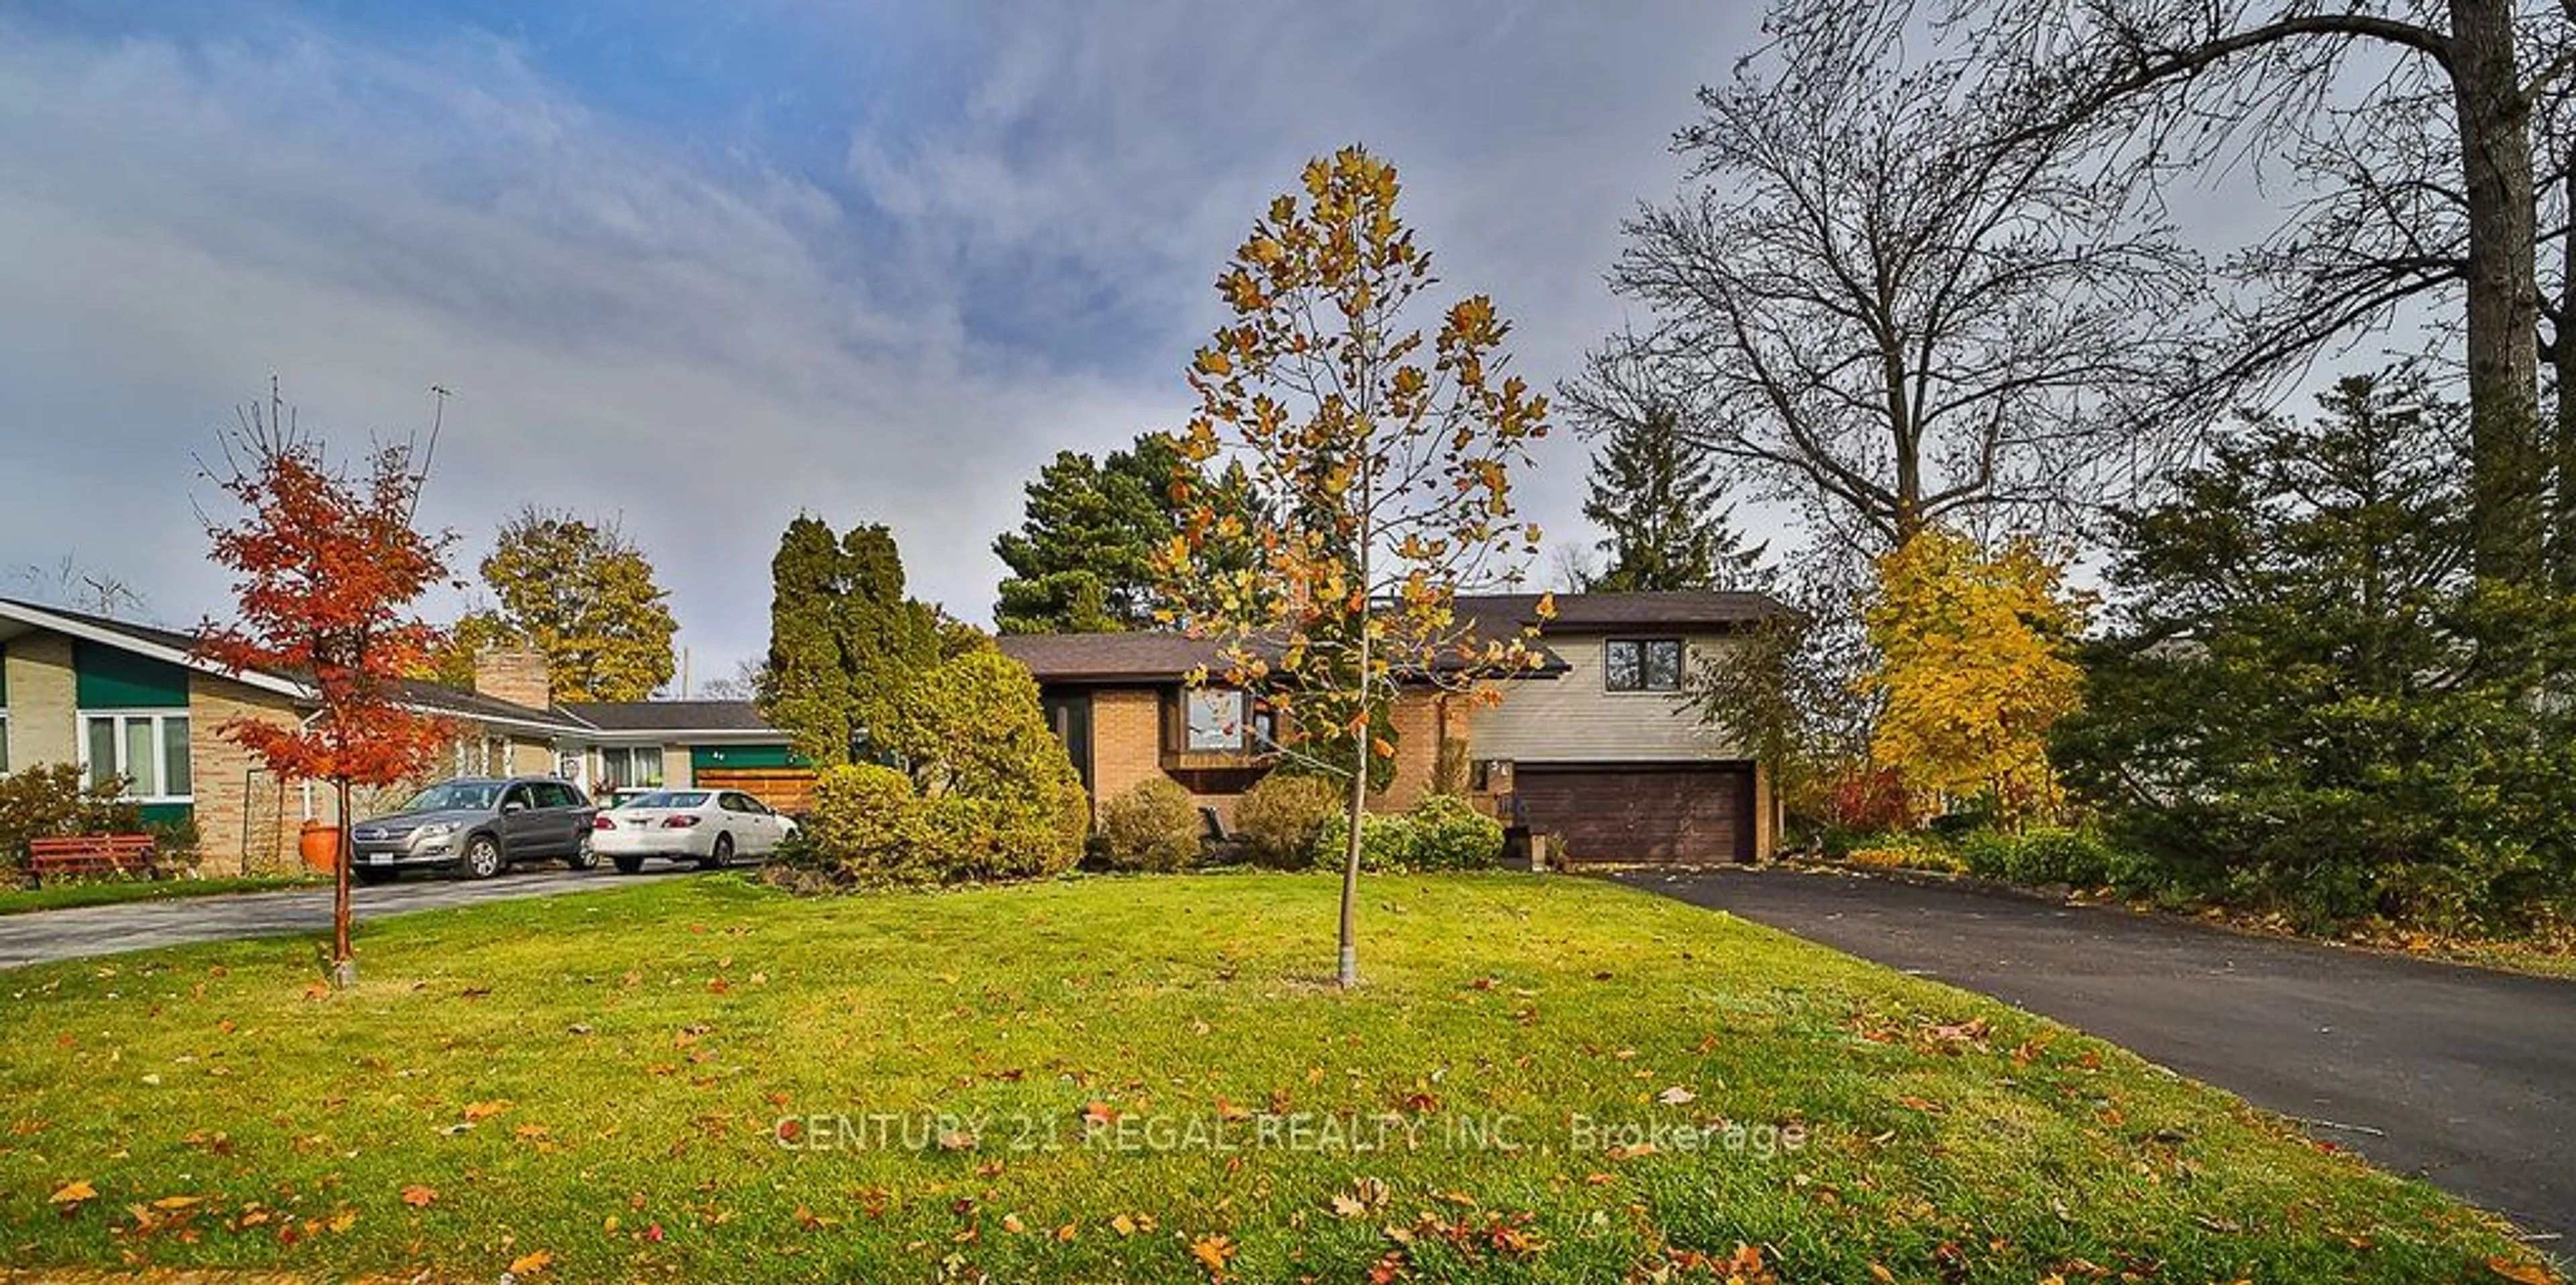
(1219, 720)
(1216, 719)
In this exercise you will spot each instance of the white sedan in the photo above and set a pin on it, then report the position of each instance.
(710, 827)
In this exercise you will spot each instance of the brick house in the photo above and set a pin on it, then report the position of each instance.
(127, 700)
(1598, 746)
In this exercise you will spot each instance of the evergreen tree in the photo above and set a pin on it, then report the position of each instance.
(887, 639)
(804, 690)
(1656, 498)
(843, 640)
(1083, 558)
(2313, 701)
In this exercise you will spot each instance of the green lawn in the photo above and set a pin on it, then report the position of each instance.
(1146, 1079)
(63, 896)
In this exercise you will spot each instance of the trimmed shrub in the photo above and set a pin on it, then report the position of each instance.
(866, 826)
(1002, 799)
(968, 838)
(1283, 815)
(1154, 826)
(1386, 841)
(870, 826)
(2078, 858)
(1991, 854)
(42, 802)
(973, 726)
(1440, 833)
(1449, 834)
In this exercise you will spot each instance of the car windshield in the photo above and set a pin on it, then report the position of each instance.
(669, 799)
(455, 796)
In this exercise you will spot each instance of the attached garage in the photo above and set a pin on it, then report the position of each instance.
(1679, 813)
(769, 773)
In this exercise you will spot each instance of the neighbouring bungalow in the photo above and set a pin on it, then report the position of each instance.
(130, 701)
(1598, 747)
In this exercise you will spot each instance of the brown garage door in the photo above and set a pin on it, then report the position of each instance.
(1676, 812)
(787, 789)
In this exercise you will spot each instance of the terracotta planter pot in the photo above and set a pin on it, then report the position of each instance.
(320, 844)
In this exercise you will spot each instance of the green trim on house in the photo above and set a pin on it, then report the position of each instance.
(112, 678)
(167, 813)
(702, 757)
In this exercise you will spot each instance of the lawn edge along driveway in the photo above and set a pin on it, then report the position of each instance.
(2465, 1076)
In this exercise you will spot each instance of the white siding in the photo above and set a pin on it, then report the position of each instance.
(1574, 718)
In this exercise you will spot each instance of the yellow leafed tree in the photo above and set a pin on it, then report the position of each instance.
(1975, 667)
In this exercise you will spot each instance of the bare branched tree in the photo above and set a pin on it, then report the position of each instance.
(740, 685)
(81, 587)
(1885, 300)
(2415, 123)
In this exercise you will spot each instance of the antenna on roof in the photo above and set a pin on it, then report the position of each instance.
(438, 395)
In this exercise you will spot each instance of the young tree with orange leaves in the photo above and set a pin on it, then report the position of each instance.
(1385, 458)
(328, 564)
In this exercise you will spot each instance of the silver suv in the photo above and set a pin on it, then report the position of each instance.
(479, 825)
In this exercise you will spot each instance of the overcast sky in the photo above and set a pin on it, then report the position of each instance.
(705, 266)
(700, 267)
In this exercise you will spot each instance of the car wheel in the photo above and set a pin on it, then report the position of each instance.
(584, 857)
(628, 863)
(370, 874)
(722, 855)
(482, 857)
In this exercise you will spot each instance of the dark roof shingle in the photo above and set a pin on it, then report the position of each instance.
(1099, 658)
(1592, 612)
(1166, 657)
(663, 716)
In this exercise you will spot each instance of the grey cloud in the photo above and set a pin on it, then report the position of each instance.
(1015, 260)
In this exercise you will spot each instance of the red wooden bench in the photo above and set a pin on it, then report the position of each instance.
(90, 854)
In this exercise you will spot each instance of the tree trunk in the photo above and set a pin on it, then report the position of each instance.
(2563, 374)
(344, 961)
(2505, 465)
(1346, 972)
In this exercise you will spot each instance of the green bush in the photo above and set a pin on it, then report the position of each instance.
(1283, 815)
(866, 826)
(1002, 799)
(973, 726)
(1991, 854)
(176, 844)
(969, 838)
(2080, 858)
(1440, 833)
(1154, 826)
(869, 825)
(1386, 841)
(43, 802)
(1448, 834)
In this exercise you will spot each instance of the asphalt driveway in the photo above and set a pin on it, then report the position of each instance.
(2463, 1076)
(46, 935)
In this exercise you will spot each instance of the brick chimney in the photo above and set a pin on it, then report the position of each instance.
(517, 675)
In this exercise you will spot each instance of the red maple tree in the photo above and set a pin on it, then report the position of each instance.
(329, 563)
